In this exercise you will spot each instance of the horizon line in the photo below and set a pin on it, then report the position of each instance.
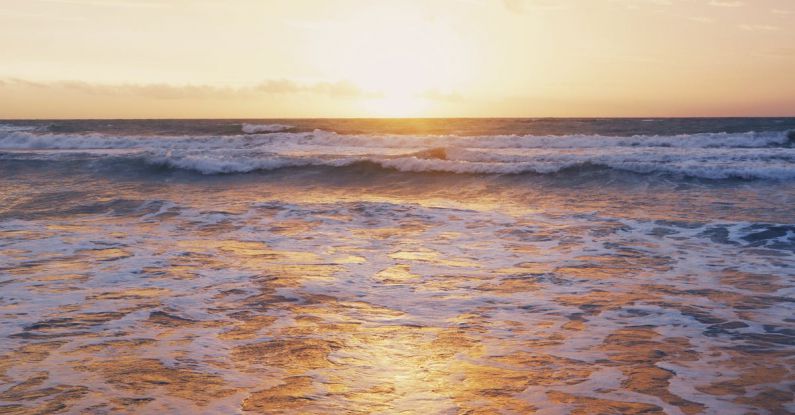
(397, 118)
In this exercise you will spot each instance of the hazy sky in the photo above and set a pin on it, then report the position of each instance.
(364, 58)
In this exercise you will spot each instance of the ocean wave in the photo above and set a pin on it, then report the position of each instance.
(212, 164)
(768, 156)
(264, 128)
(5, 128)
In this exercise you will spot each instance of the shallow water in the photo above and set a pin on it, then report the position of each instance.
(132, 288)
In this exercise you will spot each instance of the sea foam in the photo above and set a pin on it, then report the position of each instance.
(750, 155)
(264, 128)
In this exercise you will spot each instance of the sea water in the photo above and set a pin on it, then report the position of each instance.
(398, 266)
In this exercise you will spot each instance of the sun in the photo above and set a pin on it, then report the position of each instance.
(397, 54)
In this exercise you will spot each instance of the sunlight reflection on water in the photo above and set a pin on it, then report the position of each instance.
(278, 298)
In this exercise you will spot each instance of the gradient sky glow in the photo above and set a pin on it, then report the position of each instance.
(363, 58)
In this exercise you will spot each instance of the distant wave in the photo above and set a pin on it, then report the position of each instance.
(751, 155)
(4, 128)
(264, 128)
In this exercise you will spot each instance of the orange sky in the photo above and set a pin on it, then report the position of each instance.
(363, 58)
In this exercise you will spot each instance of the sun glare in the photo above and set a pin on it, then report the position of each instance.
(398, 57)
(396, 105)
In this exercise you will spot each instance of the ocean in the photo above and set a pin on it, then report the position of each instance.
(436, 266)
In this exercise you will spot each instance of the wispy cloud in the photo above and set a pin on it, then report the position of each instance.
(521, 6)
(700, 19)
(783, 12)
(341, 89)
(639, 4)
(112, 3)
(759, 27)
(38, 16)
(726, 3)
(660, 2)
(334, 89)
(474, 2)
(275, 89)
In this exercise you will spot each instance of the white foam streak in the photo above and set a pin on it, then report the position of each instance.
(264, 128)
(11, 128)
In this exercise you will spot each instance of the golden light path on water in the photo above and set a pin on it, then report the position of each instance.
(258, 296)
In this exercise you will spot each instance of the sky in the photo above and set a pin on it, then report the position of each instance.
(401, 58)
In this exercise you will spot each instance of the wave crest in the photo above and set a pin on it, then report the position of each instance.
(264, 128)
(712, 156)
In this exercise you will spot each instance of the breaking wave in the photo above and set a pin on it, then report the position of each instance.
(752, 155)
(5, 128)
(264, 128)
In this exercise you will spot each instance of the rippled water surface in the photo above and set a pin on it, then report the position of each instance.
(127, 287)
